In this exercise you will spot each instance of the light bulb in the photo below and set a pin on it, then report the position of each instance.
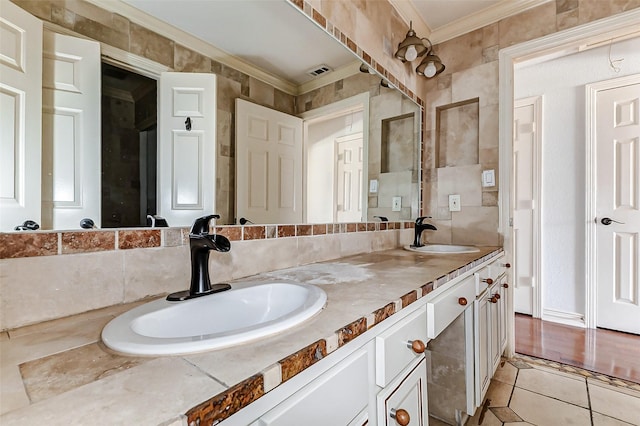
(411, 53)
(430, 69)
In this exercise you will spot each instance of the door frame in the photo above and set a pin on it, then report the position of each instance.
(337, 109)
(591, 93)
(559, 43)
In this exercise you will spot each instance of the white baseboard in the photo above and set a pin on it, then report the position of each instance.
(567, 318)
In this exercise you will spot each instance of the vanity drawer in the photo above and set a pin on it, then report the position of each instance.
(335, 398)
(394, 350)
(446, 307)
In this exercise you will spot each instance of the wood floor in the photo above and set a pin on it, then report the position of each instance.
(602, 351)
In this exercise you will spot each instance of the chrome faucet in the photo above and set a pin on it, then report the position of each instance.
(419, 227)
(200, 245)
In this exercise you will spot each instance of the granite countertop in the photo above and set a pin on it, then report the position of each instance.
(59, 371)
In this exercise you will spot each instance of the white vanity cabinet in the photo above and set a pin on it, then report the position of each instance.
(337, 397)
(404, 401)
(490, 324)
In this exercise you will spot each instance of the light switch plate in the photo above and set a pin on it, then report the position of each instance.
(396, 204)
(373, 186)
(488, 178)
(454, 202)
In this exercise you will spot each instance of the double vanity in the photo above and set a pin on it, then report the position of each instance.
(402, 335)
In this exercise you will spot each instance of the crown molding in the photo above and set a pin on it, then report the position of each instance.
(183, 38)
(483, 18)
(408, 12)
(466, 24)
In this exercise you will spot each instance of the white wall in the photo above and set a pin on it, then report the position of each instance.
(561, 83)
(320, 163)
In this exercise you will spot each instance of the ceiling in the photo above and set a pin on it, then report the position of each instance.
(274, 37)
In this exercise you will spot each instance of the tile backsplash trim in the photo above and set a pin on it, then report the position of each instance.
(32, 244)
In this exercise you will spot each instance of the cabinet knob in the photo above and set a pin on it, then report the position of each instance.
(417, 346)
(506, 265)
(505, 285)
(497, 296)
(488, 281)
(462, 301)
(493, 299)
(401, 416)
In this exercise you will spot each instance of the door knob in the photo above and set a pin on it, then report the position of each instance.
(609, 221)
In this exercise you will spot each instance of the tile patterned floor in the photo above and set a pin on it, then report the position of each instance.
(530, 391)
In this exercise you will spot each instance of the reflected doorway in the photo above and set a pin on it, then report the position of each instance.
(129, 148)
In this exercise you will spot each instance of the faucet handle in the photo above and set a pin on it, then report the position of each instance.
(421, 218)
(201, 224)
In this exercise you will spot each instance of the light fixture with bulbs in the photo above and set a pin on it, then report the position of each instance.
(412, 47)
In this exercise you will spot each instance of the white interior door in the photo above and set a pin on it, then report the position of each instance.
(71, 136)
(268, 165)
(349, 164)
(618, 207)
(186, 147)
(525, 139)
(20, 116)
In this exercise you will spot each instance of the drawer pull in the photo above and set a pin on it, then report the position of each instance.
(401, 416)
(417, 346)
(488, 281)
(506, 265)
(505, 285)
(462, 301)
(493, 299)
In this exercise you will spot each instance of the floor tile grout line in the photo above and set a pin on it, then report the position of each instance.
(586, 383)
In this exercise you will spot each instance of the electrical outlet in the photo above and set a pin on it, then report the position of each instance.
(396, 204)
(454, 202)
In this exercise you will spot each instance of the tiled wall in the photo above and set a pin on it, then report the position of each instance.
(472, 71)
(47, 275)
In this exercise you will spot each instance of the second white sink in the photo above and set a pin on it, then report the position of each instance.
(442, 249)
(212, 322)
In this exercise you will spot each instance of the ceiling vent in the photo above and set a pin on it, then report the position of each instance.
(318, 70)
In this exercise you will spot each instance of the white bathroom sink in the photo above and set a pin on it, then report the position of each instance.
(442, 249)
(214, 321)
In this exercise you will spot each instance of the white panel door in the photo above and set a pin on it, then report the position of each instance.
(187, 147)
(71, 136)
(349, 164)
(268, 165)
(524, 204)
(618, 208)
(20, 116)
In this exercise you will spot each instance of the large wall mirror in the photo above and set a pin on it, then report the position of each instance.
(359, 158)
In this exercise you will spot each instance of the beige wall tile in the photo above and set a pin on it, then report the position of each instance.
(155, 271)
(464, 180)
(386, 240)
(186, 60)
(533, 23)
(261, 92)
(253, 257)
(475, 226)
(151, 45)
(355, 242)
(478, 82)
(317, 249)
(489, 128)
(462, 52)
(42, 288)
(104, 33)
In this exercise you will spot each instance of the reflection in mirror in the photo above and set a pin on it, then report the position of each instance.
(366, 160)
(457, 133)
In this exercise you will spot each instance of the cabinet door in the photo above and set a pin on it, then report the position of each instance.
(409, 393)
(482, 346)
(502, 314)
(495, 304)
(335, 398)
